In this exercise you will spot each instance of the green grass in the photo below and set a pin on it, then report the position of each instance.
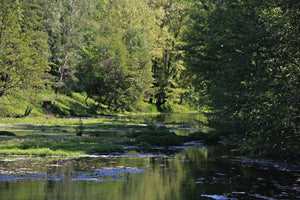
(30, 124)
(67, 104)
(49, 137)
(15, 104)
(57, 136)
(39, 152)
(59, 145)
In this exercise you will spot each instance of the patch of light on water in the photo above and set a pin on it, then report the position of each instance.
(218, 197)
(221, 197)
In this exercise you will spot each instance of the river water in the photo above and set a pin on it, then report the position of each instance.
(179, 173)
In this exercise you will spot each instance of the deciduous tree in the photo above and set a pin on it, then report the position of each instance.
(247, 56)
(23, 50)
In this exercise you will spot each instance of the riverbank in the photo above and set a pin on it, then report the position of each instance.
(47, 104)
(41, 136)
(80, 136)
(115, 133)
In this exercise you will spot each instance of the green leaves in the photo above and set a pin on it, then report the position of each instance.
(167, 59)
(248, 55)
(116, 62)
(23, 50)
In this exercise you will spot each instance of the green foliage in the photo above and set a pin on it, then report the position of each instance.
(246, 56)
(142, 107)
(115, 69)
(108, 50)
(64, 21)
(15, 105)
(167, 61)
(158, 137)
(59, 145)
(23, 50)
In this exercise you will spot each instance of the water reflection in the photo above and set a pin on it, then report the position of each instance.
(193, 173)
(180, 123)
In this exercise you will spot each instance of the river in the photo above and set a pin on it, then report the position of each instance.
(179, 173)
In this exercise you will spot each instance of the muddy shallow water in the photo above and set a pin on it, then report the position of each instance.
(191, 173)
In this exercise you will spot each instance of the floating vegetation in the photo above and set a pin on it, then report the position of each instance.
(106, 174)
(96, 175)
(13, 178)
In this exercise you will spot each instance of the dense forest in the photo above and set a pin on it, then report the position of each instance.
(238, 59)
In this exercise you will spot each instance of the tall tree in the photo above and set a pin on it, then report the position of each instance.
(168, 57)
(64, 22)
(117, 62)
(23, 50)
(247, 56)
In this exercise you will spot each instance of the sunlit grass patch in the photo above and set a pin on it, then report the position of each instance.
(67, 125)
(39, 152)
(59, 145)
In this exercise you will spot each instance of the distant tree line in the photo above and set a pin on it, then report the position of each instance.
(117, 52)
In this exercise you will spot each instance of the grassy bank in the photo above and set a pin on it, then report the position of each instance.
(41, 136)
(71, 145)
(59, 137)
(58, 145)
(45, 103)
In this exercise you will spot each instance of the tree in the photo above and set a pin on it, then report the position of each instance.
(246, 54)
(168, 57)
(23, 50)
(116, 62)
(64, 21)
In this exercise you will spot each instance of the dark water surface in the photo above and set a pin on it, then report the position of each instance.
(196, 173)
(190, 173)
